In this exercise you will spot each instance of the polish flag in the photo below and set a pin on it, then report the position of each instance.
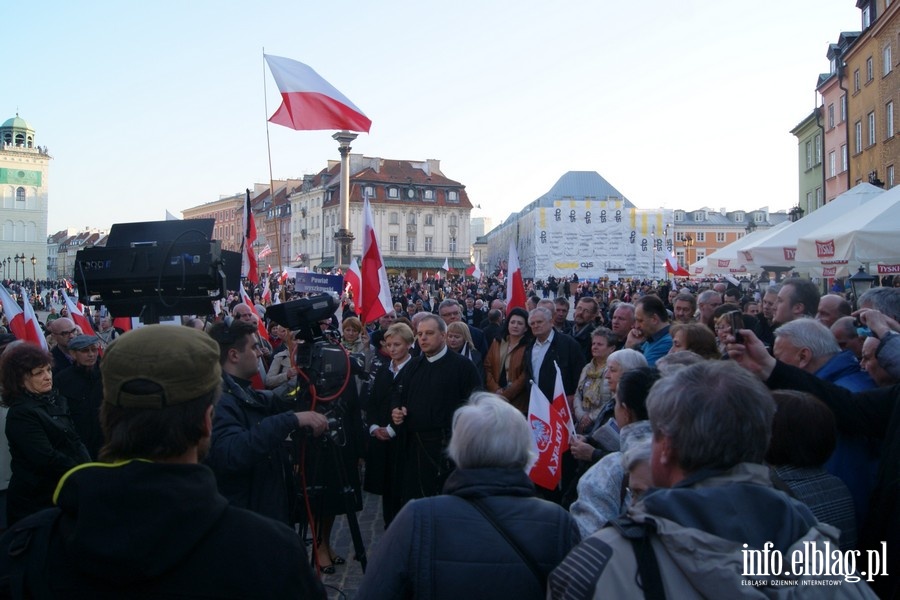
(446, 265)
(77, 315)
(266, 293)
(23, 323)
(375, 299)
(515, 286)
(265, 251)
(260, 325)
(551, 428)
(248, 264)
(269, 270)
(674, 268)
(310, 102)
(283, 277)
(474, 271)
(354, 283)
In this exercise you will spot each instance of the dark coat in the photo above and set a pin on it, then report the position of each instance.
(44, 445)
(247, 451)
(567, 353)
(442, 547)
(153, 530)
(83, 388)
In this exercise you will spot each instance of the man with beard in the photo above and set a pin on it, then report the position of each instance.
(151, 523)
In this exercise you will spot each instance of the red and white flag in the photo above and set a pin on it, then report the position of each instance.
(265, 251)
(283, 277)
(266, 293)
(310, 102)
(354, 283)
(551, 427)
(375, 299)
(77, 315)
(515, 285)
(473, 271)
(248, 264)
(23, 323)
(674, 268)
(260, 325)
(446, 265)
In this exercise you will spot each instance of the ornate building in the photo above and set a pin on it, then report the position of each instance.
(23, 202)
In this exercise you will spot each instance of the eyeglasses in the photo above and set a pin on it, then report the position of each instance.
(69, 333)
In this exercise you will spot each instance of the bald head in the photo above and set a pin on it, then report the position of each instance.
(831, 308)
(63, 330)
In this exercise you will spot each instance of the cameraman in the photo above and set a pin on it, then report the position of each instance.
(247, 452)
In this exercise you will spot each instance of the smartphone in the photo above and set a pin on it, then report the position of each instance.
(737, 323)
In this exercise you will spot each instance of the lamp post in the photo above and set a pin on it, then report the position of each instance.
(860, 283)
(3, 267)
(795, 214)
(8, 265)
(688, 244)
(18, 260)
(34, 272)
(751, 227)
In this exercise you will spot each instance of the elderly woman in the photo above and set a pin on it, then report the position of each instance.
(600, 490)
(503, 366)
(381, 458)
(42, 439)
(459, 339)
(592, 394)
(496, 539)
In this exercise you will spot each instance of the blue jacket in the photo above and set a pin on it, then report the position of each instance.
(442, 547)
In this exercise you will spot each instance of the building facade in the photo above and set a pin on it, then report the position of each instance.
(24, 202)
(809, 133)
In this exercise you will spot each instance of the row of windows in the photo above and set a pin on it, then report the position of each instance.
(394, 219)
(832, 162)
(887, 65)
(427, 194)
(843, 112)
(819, 199)
(814, 152)
(393, 244)
(871, 133)
(738, 217)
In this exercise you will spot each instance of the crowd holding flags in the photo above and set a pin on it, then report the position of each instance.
(22, 321)
(552, 428)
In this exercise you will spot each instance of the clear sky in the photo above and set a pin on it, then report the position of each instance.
(148, 106)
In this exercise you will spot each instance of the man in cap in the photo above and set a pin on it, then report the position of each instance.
(82, 385)
(151, 523)
(250, 426)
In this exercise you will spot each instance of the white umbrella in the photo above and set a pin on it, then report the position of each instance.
(780, 250)
(732, 258)
(870, 234)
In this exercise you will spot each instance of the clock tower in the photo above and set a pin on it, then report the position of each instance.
(23, 202)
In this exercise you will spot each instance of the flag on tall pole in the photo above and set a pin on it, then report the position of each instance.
(22, 323)
(674, 268)
(248, 264)
(515, 285)
(375, 299)
(552, 428)
(310, 102)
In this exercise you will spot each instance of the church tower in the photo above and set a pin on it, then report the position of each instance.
(23, 202)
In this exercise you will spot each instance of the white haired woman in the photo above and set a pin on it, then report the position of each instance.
(497, 540)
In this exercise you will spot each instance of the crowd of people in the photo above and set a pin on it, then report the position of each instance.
(708, 421)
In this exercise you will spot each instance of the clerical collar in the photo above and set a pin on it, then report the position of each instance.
(439, 355)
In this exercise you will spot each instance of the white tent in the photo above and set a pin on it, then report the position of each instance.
(869, 234)
(780, 250)
(732, 259)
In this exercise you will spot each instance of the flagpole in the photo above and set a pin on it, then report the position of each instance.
(269, 149)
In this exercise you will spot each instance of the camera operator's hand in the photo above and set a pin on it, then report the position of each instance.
(315, 421)
(398, 414)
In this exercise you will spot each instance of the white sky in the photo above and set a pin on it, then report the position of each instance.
(160, 105)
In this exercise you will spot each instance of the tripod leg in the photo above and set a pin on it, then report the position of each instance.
(348, 497)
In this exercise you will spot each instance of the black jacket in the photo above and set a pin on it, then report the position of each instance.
(44, 445)
(567, 353)
(153, 530)
(442, 547)
(83, 389)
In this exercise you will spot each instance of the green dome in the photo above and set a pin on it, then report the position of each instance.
(17, 122)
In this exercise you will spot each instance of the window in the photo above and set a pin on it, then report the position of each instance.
(889, 119)
(819, 199)
(720, 236)
(393, 243)
(855, 81)
(411, 218)
(369, 191)
(809, 199)
(739, 217)
(429, 219)
(871, 119)
(20, 194)
(831, 116)
(858, 136)
(452, 245)
(411, 244)
(832, 164)
(394, 218)
(393, 192)
(759, 217)
(890, 177)
(453, 221)
(679, 215)
(701, 216)
(679, 236)
(429, 195)
(818, 143)
(809, 162)
(870, 70)
(428, 243)
(701, 236)
(452, 196)
(843, 109)
(886, 60)
(866, 16)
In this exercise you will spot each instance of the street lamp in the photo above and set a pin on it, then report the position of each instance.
(8, 265)
(34, 271)
(18, 260)
(3, 267)
(751, 227)
(688, 243)
(795, 214)
(860, 283)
